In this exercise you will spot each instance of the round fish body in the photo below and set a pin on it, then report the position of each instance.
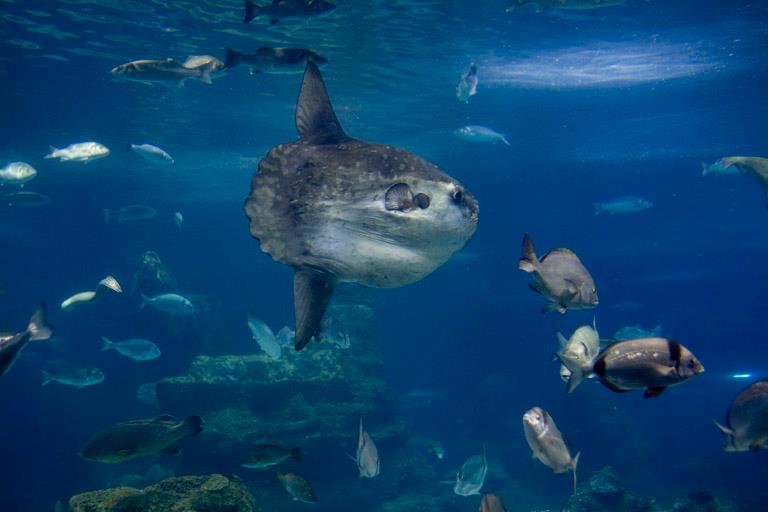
(17, 173)
(546, 441)
(747, 419)
(299, 488)
(583, 346)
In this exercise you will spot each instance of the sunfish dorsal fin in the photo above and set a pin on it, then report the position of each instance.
(315, 119)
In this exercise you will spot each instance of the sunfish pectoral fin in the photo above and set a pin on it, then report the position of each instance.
(312, 291)
(653, 391)
(315, 119)
(725, 430)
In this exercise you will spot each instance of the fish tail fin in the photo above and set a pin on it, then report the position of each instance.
(562, 341)
(46, 378)
(574, 463)
(106, 343)
(128, 147)
(297, 454)
(528, 260)
(251, 11)
(52, 151)
(725, 430)
(193, 424)
(576, 369)
(599, 208)
(144, 301)
(106, 215)
(704, 169)
(39, 328)
(205, 76)
(233, 58)
(505, 141)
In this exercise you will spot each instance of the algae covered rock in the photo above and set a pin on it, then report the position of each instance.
(211, 493)
(604, 493)
(703, 501)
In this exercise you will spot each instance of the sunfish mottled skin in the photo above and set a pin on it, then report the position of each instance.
(547, 443)
(338, 209)
(754, 166)
(747, 419)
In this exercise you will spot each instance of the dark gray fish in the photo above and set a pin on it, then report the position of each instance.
(297, 487)
(11, 345)
(265, 455)
(747, 419)
(560, 277)
(268, 59)
(652, 364)
(547, 443)
(167, 70)
(282, 9)
(339, 209)
(137, 438)
(26, 198)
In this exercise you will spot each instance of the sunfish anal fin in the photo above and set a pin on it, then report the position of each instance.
(312, 291)
(315, 119)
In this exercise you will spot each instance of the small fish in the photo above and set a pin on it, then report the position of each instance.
(491, 503)
(137, 438)
(264, 336)
(151, 153)
(471, 476)
(436, 448)
(17, 173)
(297, 487)
(367, 457)
(583, 345)
(130, 213)
(560, 277)
(167, 70)
(719, 168)
(268, 59)
(633, 332)
(27, 199)
(754, 166)
(70, 375)
(626, 204)
(214, 66)
(136, 348)
(570, 5)
(747, 419)
(547, 443)
(178, 218)
(80, 152)
(267, 455)
(483, 134)
(170, 303)
(652, 364)
(282, 9)
(467, 86)
(106, 285)
(11, 345)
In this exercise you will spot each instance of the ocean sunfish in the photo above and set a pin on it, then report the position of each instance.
(337, 209)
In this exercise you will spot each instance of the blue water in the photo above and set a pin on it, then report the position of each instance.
(626, 100)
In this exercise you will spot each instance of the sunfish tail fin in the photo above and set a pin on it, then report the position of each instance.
(251, 11)
(577, 371)
(312, 292)
(39, 328)
(528, 259)
(574, 463)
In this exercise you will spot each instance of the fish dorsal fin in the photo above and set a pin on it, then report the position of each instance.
(315, 118)
(312, 291)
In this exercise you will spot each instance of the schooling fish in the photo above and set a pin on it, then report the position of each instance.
(547, 443)
(268, 59)
(151, 153)
(282, 9)
(17, 173)
(467, 86)
(80, 152)
(297, 487)
(482, 134)
(136, 348)
(652, 364)
(11, 345)
(754, 166)
(106, 285)
(491, 503)
(266, 455)
(626, 204)
(337, 209)
(130, 213)
(168, 70)
(171, 303)
(71, 375)
(583, 345)
(137, 438)
(367, 457)
(264, 336)
(471, 476)
(747, 419)
(560, 277)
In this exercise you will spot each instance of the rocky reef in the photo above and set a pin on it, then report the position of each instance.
(211, 493)
(604, 493)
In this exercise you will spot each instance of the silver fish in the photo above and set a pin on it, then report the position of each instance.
(625, 204)
(467, 86)
(214, 66)
(583, 345)
(137, 438)
(547, 443)
(560, 277)
(471, 476)
(286, 9)
(17, 173)
(338, 209)
(151, 153)
(130, 213)
(136, 348)
(11, 345)
(167, 70)
(268, 59)
(264, 336)
(652, 364)
(367, 457)
(482, 134)
(171, 303)
(746, 426)
(107, 285)
(80, 152)
(71, 375)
